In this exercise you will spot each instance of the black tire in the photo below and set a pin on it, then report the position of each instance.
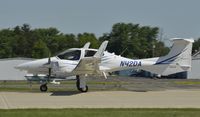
(43, 88)
(78, 85)
(85, 89)
(78, 82)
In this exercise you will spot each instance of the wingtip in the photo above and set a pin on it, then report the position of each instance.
(185, 39)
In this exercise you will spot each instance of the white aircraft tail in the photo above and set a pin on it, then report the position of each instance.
(178, 59)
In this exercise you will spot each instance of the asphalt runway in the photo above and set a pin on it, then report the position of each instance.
(102, 99)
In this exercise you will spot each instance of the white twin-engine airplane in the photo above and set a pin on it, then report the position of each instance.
(85, 62)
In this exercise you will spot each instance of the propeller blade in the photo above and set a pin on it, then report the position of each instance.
(49, 60)
(49, 72)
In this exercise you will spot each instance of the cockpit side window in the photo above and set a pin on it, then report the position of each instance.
(72, 55)
(89, 53)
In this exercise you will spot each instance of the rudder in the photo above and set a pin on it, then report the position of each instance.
(179, 58)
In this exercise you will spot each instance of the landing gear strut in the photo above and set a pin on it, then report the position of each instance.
(43, 88)
(81, 84)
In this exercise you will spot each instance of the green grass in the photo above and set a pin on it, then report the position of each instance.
(24, 86)
(188, 82)
(4, 83)
(100, 113)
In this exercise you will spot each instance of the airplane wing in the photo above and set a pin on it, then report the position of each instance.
(90, 65)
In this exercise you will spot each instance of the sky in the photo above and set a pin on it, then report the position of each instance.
(176, 18)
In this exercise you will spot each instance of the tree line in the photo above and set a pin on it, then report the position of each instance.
(126, 39)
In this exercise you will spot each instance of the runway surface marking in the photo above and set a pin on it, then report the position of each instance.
(102, 99)
(4, 102)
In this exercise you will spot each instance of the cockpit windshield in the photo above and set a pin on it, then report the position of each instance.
(70, 55)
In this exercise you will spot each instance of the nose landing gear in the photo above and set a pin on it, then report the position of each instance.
(81, 84)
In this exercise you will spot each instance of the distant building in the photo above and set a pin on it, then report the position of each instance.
(7, 70)
(195, 72)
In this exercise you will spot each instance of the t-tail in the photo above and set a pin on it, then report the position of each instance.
(177, 60)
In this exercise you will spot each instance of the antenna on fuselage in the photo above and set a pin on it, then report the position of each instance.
(49, 69)
(123, 51)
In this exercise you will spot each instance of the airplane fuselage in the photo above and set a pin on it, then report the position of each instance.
(109, 63)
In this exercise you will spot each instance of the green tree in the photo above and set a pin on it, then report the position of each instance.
(40, 50)
(196, 46)
(132, 40)
(88, 37)
(160, 49)
(6, 36)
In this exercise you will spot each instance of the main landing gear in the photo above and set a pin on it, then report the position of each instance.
(81, 84)
(43, 88)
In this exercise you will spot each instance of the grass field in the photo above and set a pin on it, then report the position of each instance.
(111, 84)
(25, 86)
(100, 113)
(188, 82)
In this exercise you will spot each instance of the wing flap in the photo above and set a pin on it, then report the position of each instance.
(87, 65)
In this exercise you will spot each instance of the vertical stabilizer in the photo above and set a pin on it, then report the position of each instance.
(177, 60)
(180, 53)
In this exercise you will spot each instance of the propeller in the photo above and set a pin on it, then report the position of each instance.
(49, 69)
